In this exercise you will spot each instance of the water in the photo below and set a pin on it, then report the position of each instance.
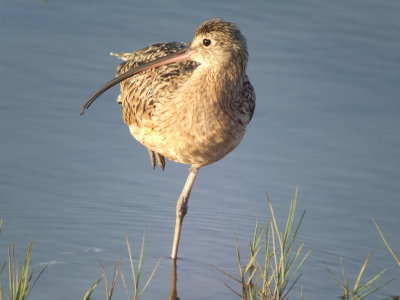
(327, 118)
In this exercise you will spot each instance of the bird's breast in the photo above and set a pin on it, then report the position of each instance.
(189, 121)
(197, 134)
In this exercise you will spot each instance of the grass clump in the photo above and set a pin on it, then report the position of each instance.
(358, 290)
(20, 283)
(136, 273)
(270, 272)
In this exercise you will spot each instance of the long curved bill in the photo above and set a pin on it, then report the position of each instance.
(181, 55)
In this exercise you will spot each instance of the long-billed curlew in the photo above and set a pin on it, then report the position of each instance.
(188, 102)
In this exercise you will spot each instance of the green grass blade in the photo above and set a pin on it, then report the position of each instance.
(36, 279)
(285, 295)
(275, 227)
(374, 290)
(251, 261)
(386, 243)
(2, 268)
(91, 289)
(250, 277)
(114, 281)
(369, 283)
(151, 276)
(255, 231)
(334, 277)
(139, 272)
(303, 260)
(23, 282)
(135, 283)
(290, 218)
(11, 271)
(360, 274)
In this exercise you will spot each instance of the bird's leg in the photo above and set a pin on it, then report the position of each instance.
(181, 209)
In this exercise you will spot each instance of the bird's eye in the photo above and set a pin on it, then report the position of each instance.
(206, 42)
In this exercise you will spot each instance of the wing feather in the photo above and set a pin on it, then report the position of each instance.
(141, 93)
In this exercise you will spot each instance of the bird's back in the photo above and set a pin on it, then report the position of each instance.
(141, 93)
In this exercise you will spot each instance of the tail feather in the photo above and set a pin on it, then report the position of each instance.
(122, 56)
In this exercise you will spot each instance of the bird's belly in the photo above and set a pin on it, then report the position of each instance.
(196, 145)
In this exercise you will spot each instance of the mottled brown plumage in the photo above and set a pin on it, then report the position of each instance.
(187, 102)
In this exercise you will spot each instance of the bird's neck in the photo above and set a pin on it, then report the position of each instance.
(218, 82)
(210, 91)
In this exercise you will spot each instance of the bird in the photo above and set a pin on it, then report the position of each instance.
(189, 102)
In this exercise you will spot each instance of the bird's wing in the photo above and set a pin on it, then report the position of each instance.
(246, 102)
(141, 93)
(149, 53)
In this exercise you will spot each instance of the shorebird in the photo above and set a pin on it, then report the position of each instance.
(187, 102)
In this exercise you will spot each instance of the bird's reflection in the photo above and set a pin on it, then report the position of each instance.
(173, 293)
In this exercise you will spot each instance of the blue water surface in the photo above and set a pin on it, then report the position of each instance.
(327, 78)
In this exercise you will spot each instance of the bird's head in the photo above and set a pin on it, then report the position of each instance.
(218, 43)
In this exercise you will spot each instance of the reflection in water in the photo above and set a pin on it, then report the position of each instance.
(173, 294)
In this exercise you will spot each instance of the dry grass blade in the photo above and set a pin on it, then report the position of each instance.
(232, 290)
(225, 273)
(105, 278)
(124, 283)
(237, 247)
(110, 289)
